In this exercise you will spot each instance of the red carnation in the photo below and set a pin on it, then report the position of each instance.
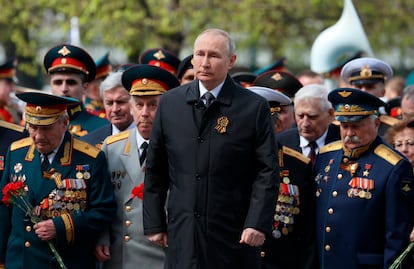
(138, 191)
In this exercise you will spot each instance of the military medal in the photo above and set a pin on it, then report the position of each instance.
(79, 173)
(1, 162)
(86, 174)
(222, 124)
(18, 168)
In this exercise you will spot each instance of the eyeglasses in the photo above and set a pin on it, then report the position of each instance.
(400, 144)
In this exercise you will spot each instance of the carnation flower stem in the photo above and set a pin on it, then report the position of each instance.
(397, 263)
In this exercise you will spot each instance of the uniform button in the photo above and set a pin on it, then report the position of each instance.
(128, 208)
(339, 176)
(327, 247)
(328, 229)
(127, 238)
(27, 244)
(334, 193)
(330, 211)
(198, 177)
(28, 228)
(197, 214)
(262, 254)
(128, 223)
(200, 139)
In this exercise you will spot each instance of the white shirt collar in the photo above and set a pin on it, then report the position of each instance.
(214, 91)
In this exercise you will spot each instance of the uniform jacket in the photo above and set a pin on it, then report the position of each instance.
(292, 243)
(220, 167)
(128, 245)
(364, 206)
(97, 136)
(290, 138)
(81, 205)
(82, 122)
(8, 133)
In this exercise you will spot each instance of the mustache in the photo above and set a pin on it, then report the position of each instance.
(352, 139)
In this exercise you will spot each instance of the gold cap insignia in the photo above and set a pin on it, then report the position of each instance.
(366, 72)
(64, 51)
(159, 55)
(277, 77)
(222, 124)
(345, 94)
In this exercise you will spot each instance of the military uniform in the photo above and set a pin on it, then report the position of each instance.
(82, 122)
(364, 195)
(74, 191)
(128, 245)
(8, 133)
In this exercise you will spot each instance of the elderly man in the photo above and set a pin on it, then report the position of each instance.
(117, 108)
(71, 69)
(314, 115)
(125, 246)
(67, 184)
(364, 190)
(213, 152)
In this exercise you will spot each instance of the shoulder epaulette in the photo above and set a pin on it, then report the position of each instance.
(25, 142)
(336, 145)
(295, 154)
(389, 120)
(11, 126)
(119, 136)
(335, 122)
(388, 154)
(86, 148)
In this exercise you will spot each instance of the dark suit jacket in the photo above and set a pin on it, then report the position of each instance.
(290, 138)
(220, 167)
(97, 137)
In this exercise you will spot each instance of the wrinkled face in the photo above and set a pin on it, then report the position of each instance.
(404, 142)
(376, 89)
(211, 59)
(47, 138)
(143, 109)
(69, 85)
(358, 134)
(312, 119)
(6, 87)
(407, 107)
(118, 107)
(188, 76)
(286, 119)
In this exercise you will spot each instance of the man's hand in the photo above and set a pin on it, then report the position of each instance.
(45, 230)
(252, 237)
(159, 239)
(102, 253)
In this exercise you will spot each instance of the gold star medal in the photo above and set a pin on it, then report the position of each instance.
(222, 123)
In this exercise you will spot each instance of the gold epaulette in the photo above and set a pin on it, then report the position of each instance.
(389, 120)
(11, 126)
(296, 154)
(387, 154)
(336, 145)
(336, 122)
(25, 142)
(86, 148)
(119, 136)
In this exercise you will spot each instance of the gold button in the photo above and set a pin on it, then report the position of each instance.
(28, 228)
(334, 193)
(328, 229)
(339, 176)
(262, 254)
(128, 223)
(327, 247)
(128, 208)
(27, 244)
(330, 211)
(127, 238)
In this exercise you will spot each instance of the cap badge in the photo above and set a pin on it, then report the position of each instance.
(222, 124)
(38, 108)
(159, 55)
(277, 77)
(144, 81)
(365, 72)
(345, 94)
(64, 51)
(347, 107)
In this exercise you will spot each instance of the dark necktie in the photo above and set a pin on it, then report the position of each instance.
(312, 153)
(143, 155)
(209, 97)
(45, 163)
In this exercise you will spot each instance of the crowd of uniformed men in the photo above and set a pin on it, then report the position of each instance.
(343, 197)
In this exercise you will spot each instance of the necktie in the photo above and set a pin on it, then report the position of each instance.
(209, 97)
(143, 155)
(312, 153)
(45, 163)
